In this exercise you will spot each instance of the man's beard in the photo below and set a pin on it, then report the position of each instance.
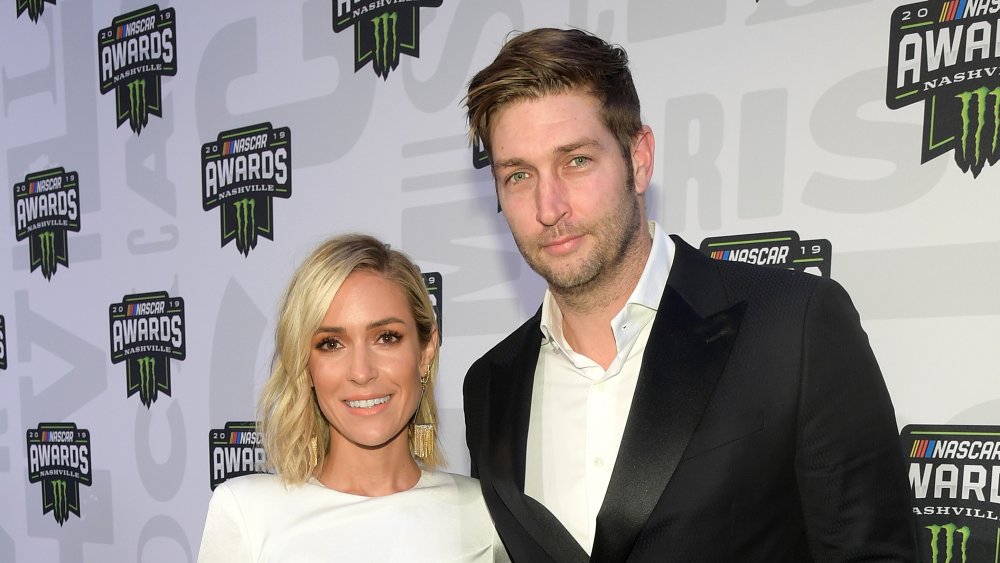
(615, 235)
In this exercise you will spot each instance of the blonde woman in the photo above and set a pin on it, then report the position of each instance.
(347, 418)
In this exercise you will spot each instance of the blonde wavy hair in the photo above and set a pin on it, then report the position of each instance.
(287, 413)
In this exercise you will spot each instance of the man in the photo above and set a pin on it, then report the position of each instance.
(660, 406)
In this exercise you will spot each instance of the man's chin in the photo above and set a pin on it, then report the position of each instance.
(567, 280)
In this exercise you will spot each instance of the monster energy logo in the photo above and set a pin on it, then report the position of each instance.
(138, 111)
(147, 380)
(60, 500)
(47, 253)
(33, 7)
(974, 106)
(949, 541)
(384, 30)
(246, 225)
(386, 43)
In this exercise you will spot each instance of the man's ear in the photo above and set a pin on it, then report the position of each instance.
(643, 150)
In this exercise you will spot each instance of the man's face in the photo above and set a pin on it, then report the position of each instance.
(563, 187)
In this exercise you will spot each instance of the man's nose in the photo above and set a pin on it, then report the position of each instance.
(552, 200)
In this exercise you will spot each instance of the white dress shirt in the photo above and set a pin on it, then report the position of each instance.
(579, 410)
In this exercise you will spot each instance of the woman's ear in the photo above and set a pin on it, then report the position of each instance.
(430, 348)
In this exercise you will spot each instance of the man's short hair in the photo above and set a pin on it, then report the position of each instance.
(547, 61)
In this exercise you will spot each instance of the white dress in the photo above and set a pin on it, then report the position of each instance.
(256, 518)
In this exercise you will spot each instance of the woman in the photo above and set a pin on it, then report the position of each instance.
(346, 414)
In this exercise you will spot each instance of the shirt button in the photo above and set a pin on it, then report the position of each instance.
(598, 462)
(599, 388)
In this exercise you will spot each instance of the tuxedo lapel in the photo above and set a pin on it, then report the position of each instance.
(510, 409)
(684, 357)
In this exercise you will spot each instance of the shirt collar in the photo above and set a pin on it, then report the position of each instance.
(647, 292)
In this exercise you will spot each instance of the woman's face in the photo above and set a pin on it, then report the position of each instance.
(365, 362)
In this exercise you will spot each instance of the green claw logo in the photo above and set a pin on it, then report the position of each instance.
(60, 501)
(383, 31)
(33, 7)
(386, 44)
(47, 250)
(976, 106)
(147, 380)
(138, 109)
(949, 542)
(246, 225)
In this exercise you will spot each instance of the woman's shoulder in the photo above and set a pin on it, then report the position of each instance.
(461, 485)
(255, 487)
(251, 481)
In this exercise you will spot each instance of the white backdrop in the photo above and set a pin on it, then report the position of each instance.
(768, 116)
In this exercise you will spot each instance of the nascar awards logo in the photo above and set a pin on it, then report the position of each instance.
(133, 55)
(233, 451)
(780, 249)
(432, 281)
(942, 53)
(147, 331)
(46, 206)
(242, 172)
(59, 459)
(3, 344)
(383, 30)
(954, 474)
(479, 157)
(33, 7)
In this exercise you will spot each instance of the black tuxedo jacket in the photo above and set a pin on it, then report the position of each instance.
(760, 430)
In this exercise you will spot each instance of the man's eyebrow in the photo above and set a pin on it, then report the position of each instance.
(563, 149)
(568, 148)
(509, 163)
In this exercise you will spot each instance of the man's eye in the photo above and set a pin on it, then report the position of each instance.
(579, 161)
(517, 177)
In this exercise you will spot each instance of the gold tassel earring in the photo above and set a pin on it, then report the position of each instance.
(313, 453)
(423, 432)
(423, 440)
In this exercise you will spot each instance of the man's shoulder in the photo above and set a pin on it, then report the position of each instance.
(742, 277)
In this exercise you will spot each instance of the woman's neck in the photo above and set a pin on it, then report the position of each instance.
(369, 472)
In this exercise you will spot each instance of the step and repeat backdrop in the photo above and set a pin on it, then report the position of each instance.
(167, 166)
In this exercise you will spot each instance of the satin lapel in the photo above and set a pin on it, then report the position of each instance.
(683, 360)
(510, 410)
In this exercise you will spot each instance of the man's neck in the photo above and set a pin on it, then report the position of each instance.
(586, 315)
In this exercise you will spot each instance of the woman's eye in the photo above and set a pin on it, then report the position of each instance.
(389, 337)
(328, 344)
